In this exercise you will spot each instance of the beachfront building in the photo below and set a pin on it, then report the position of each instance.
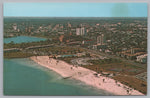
(132, 53)
(142, 58)
(88, 42)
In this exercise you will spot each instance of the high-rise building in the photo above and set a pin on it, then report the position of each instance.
(101, 40)
(15, 27)
(77, 31)
(69, 25)
(132, 50)
(80, 31)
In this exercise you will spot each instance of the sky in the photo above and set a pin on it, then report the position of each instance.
(75, 9)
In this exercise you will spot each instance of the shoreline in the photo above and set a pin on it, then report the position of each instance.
(85, 75)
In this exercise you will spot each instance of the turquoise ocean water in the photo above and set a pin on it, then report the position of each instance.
(25, 77)
(21, 39)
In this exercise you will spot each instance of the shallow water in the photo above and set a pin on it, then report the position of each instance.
(25, 77)
(23, 39)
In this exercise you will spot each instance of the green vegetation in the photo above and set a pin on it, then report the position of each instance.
(105, 61)
(133, 83)
(124, 72)
(67, 59)
(114, 65)
(57, 50)
(25, 45)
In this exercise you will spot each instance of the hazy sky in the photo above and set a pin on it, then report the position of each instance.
(76, 9)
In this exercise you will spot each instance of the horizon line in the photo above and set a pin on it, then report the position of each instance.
(67, 17)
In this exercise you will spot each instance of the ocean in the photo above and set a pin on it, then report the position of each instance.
(25, 77)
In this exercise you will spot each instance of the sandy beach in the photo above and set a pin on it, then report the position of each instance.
(85, 75)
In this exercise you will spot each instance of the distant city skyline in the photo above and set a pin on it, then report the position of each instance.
(75, 10)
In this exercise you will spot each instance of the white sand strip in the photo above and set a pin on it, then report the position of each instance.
(85, 75)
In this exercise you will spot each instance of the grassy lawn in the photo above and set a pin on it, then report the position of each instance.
(133, 82)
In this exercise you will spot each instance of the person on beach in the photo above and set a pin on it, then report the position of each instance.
(76, 66)
(79, 73)
(57, 62)
(130, 91)
(103, 80)
(127, 91)
(116, 81)
(119, 85)
(49, 59)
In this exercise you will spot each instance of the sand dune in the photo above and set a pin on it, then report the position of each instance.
(85, 75)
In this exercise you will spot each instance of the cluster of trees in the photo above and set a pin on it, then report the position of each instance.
(17, 54)
(105, 61)
(120, 40)
(58, 50)
(25, 45)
